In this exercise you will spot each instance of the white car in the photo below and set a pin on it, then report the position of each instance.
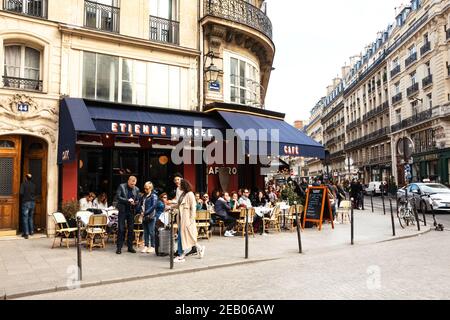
(374, 188)
(428, 197)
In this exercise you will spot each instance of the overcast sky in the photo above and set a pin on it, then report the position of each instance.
(313, 40)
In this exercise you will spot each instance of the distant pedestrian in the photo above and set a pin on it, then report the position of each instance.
(27, 194)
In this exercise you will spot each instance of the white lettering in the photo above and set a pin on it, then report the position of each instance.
(114, 127)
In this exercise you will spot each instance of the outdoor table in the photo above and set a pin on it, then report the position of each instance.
(261, 212)
(284, 207)
(111, 213)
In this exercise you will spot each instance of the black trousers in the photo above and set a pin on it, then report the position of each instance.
(128, 219)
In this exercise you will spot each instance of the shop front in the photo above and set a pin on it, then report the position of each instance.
(433, 165)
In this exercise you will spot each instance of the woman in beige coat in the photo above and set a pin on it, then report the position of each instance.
(186, 222)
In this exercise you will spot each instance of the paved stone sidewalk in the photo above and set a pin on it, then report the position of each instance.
(31, 266)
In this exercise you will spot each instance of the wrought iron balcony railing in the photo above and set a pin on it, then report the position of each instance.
(413, 89)
(22, 83)
(164, 30)
(425, 48)
(395, 71)
(377, 111)
(35, 8)
(397, 98)
(101, 16)
(240, 11)
(381, 133)
(354, 124)
(427, 81)
(424, 116)
(411, 59)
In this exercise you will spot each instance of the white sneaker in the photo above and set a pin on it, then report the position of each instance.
(233, 232)
(228, 234)
(178, 260)
(151, 250)
(144, 250)
(202, 252)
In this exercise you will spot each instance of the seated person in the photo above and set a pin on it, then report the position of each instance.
(222, 208)
(261, 200)
(101, 202)
(244, 201)
(207, 204)
(198, 201)
(234, 203)
(87, 201)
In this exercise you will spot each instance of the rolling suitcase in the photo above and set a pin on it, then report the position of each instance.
(162, 239)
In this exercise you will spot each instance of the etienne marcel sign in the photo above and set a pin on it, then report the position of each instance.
(159, 130)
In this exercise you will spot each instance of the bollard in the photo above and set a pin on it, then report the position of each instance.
(298, 229)
(246, 233)
(371, 201)
(171, 240)
(352, 225)
(424, 217)
(392, 218)
(384, 206)
(416, 215)
(80, 276)
(362, 200)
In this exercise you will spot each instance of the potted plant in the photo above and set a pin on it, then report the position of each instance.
(69, 210)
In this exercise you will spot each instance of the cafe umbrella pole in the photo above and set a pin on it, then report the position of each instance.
(80, 277)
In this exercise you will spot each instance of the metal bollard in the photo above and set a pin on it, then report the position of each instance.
(384, 206)
(171, 240)
(392, 218)
(246, 233)
(416, 215)
(362, 200)
(298, 230)
(424, 217)
(371, 201)
(80, 276)
(352, 225)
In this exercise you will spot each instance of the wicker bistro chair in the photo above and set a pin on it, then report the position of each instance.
(138, 230)
(96, 229)
(240, 223)
(62, 231)
(219, 223)
(203, 222)
(291, 216)
(343, 212)
(273, 222)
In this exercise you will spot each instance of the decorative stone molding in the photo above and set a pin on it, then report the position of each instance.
(10, 109)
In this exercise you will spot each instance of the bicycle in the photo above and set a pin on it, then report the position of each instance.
(405, 214)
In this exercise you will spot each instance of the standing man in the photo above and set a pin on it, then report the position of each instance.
(128, 199)
(27, 191)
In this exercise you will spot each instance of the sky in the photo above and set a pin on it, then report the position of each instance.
(313, 40)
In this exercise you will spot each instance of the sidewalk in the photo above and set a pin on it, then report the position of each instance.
(32, 267)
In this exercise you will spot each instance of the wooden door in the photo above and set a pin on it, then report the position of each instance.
(35, 162)
(10, 149)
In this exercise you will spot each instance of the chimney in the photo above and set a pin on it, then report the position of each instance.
(298, 124)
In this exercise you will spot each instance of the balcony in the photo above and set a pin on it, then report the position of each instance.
(397, 98)
(414, 120)
(395, 71)
(410, 59)
(413, 89)
(370, 138)
(427, 81)
(22, 83)
(34, 8)
(164, 30)
(425, 48)
(377, 111)
(100, 16)
(240, 11)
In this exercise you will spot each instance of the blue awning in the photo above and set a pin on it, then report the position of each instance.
(292, 142)
(79, 115)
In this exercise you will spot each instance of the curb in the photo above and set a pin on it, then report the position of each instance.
(88, 284)
(418, 234)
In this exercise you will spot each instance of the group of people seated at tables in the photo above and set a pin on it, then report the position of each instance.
(224, 203)
(91, 201)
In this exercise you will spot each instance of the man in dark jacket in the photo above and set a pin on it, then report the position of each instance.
(222, 209)
(27, 191)
(127, 203)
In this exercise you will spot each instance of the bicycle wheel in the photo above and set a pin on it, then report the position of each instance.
(401, 220)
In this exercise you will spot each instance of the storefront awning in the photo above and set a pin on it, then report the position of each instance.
(86, 116)
(292, 142)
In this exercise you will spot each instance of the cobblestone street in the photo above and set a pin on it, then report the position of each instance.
(414, 268)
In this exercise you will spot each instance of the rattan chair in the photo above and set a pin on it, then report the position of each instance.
(240, 223)
(96, 229)
(343, 212)
(138, 229)
(291, 216)
(273, 222)
(203, 222)
(63, 231)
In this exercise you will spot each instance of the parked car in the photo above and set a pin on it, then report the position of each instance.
(374, 188)
(427, 196)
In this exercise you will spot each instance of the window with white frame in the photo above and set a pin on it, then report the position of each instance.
(166, 9)
(241, 81)
(102, 14)
(133, 81)
(397, 88)
(22, 67)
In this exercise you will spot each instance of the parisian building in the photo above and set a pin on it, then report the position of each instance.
(313, 166)
(394, 99)
(95, 91)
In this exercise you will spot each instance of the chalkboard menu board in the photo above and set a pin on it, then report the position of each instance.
(317, 206)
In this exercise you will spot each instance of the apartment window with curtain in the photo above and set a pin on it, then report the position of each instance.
(164, 24)
(131, 81)
(22, 67)
(35, 8)
(102, 15)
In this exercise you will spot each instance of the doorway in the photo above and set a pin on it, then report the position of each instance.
(20, 155)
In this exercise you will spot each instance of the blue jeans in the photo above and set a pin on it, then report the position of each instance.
(149, 233)
(180, 247)
(27, 217)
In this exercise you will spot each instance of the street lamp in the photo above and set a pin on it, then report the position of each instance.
(212, 72)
